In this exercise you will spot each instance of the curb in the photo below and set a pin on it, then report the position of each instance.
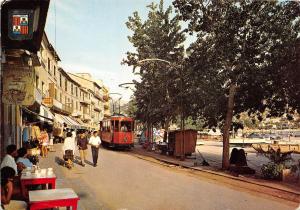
(295, 195)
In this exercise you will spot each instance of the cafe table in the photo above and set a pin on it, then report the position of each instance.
(30, 178)
(42, 199)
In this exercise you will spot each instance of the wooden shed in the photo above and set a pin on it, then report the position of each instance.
(175, 141)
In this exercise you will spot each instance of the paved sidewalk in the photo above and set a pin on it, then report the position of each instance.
(292, 190)
(71, 179)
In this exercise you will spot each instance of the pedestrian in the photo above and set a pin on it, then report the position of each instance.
(44, 141)
(82, 143)
(69, 143)
(95, 142)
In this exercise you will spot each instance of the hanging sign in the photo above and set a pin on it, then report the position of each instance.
(20, 24)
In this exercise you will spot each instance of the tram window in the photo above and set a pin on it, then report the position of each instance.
(116, 128)
(126, 126)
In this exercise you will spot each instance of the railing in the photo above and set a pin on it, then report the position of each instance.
(105, 97)
(97, 107)
(67, 108)
(85, 101)
(86, 117)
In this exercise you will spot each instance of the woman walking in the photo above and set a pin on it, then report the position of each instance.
(95, 142)
(44, 141)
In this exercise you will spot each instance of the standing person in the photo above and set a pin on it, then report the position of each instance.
(95, 142)
(44, 141)
(69, 143)
(82, 143)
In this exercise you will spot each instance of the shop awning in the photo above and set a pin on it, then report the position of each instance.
(66, 120)
(45, 114)
(82, 124)
(74, 124)
(39, 116)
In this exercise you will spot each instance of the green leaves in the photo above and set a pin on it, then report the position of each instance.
(247, 43)
(159, 36)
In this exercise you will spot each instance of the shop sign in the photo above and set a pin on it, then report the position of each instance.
(18, 88)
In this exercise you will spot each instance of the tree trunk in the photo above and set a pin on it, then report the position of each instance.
(226, 128)
(166, 126)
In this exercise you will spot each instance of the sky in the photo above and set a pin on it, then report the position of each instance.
(91, 36)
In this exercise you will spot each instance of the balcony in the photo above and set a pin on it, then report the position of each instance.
(106, 106)
(76, 114)
(98, 95)
(97, 108)
(57, 106)
(67, 109)
(86, 117)
(105, 97)
(85, 101)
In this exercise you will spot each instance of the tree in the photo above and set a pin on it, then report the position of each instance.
(243, 58)
(159, 36)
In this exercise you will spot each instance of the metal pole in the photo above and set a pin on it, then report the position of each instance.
(120, 106)
(182, 115)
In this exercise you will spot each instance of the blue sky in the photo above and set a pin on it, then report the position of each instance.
(91, 36)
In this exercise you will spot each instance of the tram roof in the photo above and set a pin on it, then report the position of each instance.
(119, 117)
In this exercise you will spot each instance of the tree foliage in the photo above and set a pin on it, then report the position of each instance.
(245, 55)
(159, 36)
(251, 44)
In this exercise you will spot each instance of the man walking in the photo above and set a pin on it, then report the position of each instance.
(95, 142)
(82, 143)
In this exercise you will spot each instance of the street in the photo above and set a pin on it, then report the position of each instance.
(122, 181)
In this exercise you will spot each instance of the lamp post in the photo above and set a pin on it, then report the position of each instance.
(114, 101)
(182, 123)
(126, 85)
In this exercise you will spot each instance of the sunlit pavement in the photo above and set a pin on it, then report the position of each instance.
(122, 181)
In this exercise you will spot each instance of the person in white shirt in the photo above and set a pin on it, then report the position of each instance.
(9, 159)
(95, 142)
(69, 143)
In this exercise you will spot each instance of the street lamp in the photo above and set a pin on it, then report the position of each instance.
(179, 68)
(126, 85)
(114, 101)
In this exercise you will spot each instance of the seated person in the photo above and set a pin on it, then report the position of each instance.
(9, 159)
(124, 128)
(7, 188)
(22, 158)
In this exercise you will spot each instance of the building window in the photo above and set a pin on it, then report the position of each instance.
(71, 88)
(66, 85)
(55, 94)
(60, 98)
(76, 91)
(72, 103)
(49, 65)
(43, 88)
(37, 82)
(60, 80)
(54, 70)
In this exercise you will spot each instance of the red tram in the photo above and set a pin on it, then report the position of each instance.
(117, 131)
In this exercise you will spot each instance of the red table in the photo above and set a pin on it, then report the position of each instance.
(34, 179)
(41, 199)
